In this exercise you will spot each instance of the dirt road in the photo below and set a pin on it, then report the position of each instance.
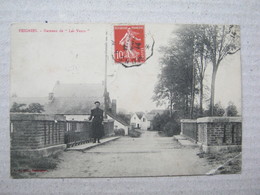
(149, 155)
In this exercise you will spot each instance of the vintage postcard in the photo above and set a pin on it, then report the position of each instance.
(125, 100)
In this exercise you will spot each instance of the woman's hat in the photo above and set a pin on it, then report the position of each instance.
(97, 102)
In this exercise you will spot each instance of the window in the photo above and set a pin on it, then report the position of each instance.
(144, 119)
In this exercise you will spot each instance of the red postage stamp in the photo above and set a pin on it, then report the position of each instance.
(129, 44)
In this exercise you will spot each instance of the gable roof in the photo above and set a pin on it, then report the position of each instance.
(78, 90)
(139, 114)
(75, 98)
(117, 119)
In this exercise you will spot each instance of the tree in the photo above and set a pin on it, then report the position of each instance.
(18, 107)
(35, 108)
(184, 64)
(231, 109)
(218, 110)
(201, 60)
(220, 42)
(177, 81)
(22, 108)
(124, 117)
(159, 121)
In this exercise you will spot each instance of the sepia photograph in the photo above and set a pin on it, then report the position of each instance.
(125, 100)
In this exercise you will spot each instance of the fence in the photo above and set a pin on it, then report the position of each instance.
(189, 129)
(79, 132)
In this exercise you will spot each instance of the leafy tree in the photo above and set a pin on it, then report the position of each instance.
(184, 64)
(176, 83)
(159, 121)
(221, 41)
(18, 107)
(124, 117)
(218, 110)
(171, 128)
(201, 60)
(232, 109)
(35, 108)
(32, 108)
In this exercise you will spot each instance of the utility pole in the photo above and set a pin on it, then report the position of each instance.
(105, 83)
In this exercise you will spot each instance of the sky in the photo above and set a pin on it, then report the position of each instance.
(39, 59)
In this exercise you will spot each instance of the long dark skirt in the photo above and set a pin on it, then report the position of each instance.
(97, 130)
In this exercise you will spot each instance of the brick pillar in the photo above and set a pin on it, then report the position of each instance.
(220, 133)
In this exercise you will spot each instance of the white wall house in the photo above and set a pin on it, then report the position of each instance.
(145, 123)
(135, 121)
(118, 124)
(142, 121)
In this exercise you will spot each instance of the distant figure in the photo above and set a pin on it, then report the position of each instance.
(97, 126)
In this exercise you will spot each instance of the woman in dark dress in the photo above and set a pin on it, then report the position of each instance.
(97, 126)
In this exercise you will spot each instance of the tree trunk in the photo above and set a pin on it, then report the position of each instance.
(212, 95)
(201, 97)
(171, 108)
(192, 91)
(187, 106)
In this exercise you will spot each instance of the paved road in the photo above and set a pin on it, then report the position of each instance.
(149, 155)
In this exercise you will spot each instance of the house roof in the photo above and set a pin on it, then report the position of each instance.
(140, 114)
(70, 105)
(78, 90)
(75, 98)
(117, 119)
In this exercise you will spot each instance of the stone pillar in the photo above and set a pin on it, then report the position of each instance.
(217, 134)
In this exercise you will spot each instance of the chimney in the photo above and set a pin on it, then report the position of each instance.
(113, 107)
(51, 96)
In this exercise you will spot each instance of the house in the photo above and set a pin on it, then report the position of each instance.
(119, 123)
(143, 121)
(146, 121)
(135, 120)
(70, 98)
(76, 117)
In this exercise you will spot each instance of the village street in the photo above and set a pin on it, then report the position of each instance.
(149, 155)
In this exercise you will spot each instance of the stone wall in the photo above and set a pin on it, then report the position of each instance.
(214, 133)
(189, 128)
(47, 134)
(220, 133)
(33, 134)
(109, 127)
